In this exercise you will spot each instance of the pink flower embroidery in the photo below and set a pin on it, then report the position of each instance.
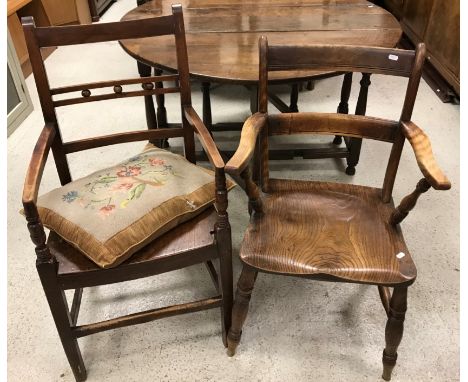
(122, 186)
(130, 171)
(156, 161)
(106, 210)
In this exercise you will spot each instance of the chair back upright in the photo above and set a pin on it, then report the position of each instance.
(42, 37)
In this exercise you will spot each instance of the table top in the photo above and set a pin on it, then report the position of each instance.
(222, 35)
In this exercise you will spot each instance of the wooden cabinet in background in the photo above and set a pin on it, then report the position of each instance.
(97, 7)
(437, 24)
(45, 13)
(15, 10)
(16, 30)
(62, 12)
(442, 38)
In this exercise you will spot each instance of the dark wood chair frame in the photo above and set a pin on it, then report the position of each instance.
(51, 261)
(157, 118)
(253, 152)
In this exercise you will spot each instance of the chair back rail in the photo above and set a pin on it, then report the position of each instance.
(75, 34)
(87, 97)
(40, 37)
(341, 58)
(338, 58)
(333, 124)
(104, 84)
(112, 139)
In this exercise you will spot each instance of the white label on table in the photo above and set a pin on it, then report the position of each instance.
(393, 57)
(400, 255)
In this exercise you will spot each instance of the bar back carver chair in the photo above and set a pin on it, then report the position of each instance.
(332, 231)
(203, 238)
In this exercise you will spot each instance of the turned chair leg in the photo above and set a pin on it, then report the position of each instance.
(225, 276)
(241, 307)
(63, 321)
(394, 330)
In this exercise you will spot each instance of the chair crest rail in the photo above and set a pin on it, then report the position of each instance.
(76, 34)
(341, 58)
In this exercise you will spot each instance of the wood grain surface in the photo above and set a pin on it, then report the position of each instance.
(244, 153)
(332, 124)
(38, 161)
(222, 35)
(327, 230)
(423, 150)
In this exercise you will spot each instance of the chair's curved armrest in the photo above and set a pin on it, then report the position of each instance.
(205, 138)
(241, 158)
(36, 168)
(424, 156)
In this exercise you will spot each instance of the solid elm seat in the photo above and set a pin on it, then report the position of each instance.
(193, 236)
(333, 229)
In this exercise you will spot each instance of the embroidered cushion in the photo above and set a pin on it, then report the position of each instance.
(112, 213)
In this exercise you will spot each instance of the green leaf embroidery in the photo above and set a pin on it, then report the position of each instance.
(139, 190)
(136, 192)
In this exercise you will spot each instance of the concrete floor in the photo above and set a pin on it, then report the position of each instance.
(297, 330)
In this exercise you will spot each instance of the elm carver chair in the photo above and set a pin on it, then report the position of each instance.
(205, 237)
(332, 231)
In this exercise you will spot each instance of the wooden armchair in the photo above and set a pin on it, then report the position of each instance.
(205, 237)
(331, 231)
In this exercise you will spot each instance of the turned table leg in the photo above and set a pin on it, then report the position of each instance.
(161, 114)
(207, 116)
(253, 99)
(310, 85)
(354, 144)
(343, 106)
(294, 98)
(145, 71)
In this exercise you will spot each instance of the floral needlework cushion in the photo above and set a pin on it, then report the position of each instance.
(114, 212)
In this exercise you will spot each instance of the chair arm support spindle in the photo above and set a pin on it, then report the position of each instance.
(409, 201)
(37, 234)
(221, 201)
(31, 189)
(252, 191)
